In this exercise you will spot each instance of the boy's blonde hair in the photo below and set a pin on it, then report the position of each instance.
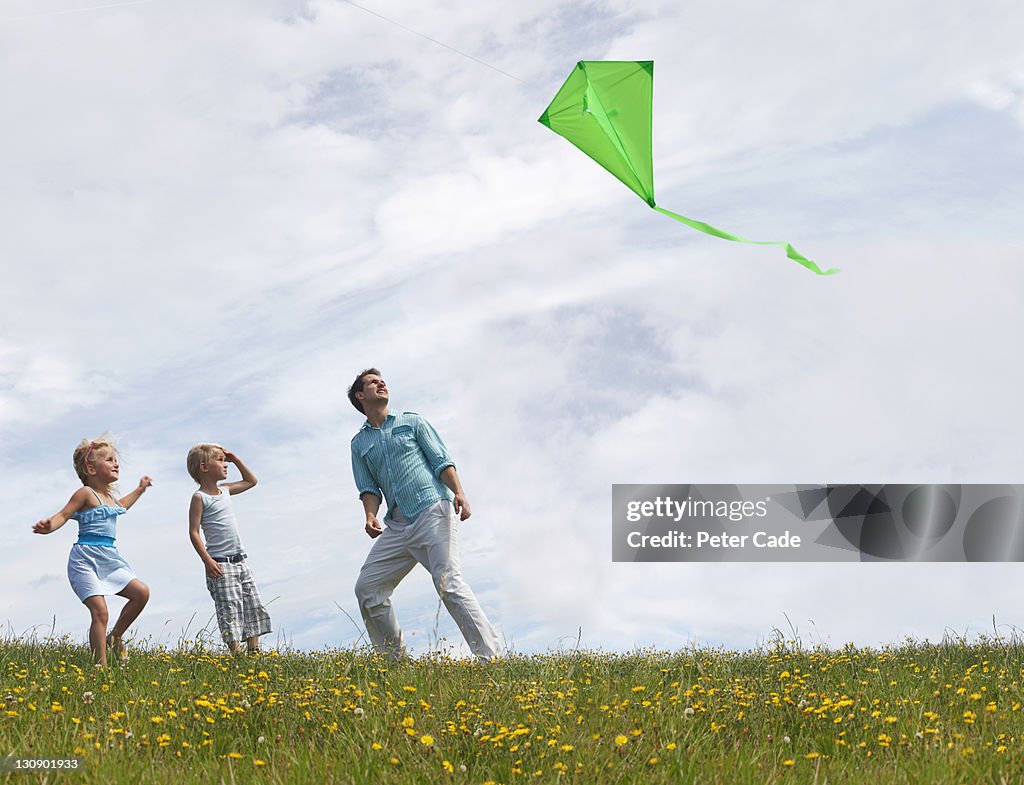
(201, 453)
(85, 454)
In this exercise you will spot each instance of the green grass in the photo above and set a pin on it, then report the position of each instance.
(917, 713)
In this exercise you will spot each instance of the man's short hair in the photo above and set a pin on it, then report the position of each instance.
(201, 453)
(357, 386)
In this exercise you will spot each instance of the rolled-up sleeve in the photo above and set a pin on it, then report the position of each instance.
(361, 474)
(433, 448)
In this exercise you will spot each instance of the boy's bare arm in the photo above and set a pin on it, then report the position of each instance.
(248, 478)
(195, 516)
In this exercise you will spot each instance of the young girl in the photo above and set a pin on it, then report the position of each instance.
(95, 568)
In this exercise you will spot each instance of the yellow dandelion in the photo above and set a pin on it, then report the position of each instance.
(426, 739)
(258, 762)
(448, 766)
(235, 755)
(620, 740)
(788, 762)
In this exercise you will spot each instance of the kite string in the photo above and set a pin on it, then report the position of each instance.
(435, 41)
(73, 10)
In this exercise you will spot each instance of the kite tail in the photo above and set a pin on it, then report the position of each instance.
(791, 252)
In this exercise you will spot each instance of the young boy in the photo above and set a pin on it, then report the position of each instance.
(240, 612)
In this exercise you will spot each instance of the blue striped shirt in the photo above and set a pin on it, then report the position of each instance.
(403, 459)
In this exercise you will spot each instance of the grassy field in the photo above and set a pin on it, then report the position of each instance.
(917, 713)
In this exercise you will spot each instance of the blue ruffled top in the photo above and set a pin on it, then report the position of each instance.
(99, 521)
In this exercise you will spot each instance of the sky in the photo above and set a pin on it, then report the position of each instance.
(218, 214)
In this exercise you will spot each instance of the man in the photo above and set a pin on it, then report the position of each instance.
(401, 458)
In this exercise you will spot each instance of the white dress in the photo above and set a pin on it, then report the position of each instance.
(93, 568)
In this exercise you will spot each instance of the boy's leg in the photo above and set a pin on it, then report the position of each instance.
(433, 543)
(226, 592)
(97, 605)
(386, 564)
(255, 619)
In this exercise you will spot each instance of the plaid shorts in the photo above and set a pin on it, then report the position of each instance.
(240, 611)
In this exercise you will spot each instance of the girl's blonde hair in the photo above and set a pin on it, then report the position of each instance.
(201, 453)
(85, 454)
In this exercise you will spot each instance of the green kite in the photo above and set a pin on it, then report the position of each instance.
(604, 108)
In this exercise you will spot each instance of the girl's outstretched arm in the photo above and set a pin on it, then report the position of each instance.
(133, 497)
(77, 501)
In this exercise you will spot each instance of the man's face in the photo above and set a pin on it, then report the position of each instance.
(374, 389)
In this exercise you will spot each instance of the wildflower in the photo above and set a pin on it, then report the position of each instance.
(788, 762)
(87, 697)
(688, 711)
(261, 739)
(235, 755)
(620, 740)
(786, 739)
(426, 740)
(448, 766)
(358, 713)
(258, 762)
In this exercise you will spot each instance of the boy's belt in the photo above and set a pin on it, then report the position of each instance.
(230, 559)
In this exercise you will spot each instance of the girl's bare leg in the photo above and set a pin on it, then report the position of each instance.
(97, 605)
(137, 594)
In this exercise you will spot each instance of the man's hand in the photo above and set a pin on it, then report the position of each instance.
(373, 527)
(461, 506)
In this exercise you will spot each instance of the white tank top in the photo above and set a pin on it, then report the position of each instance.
(220, 529)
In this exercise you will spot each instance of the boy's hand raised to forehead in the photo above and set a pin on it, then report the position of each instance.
(229, 456)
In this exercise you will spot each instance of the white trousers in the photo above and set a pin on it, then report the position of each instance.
(430, 541)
